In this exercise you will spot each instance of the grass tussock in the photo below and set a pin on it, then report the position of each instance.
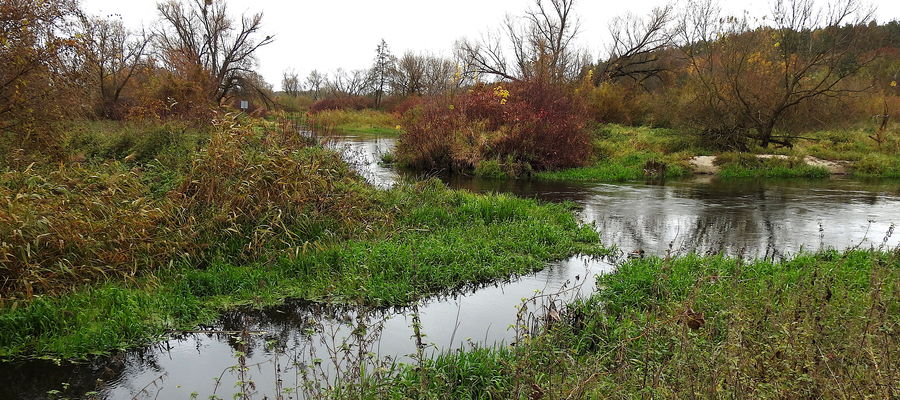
(816, 326)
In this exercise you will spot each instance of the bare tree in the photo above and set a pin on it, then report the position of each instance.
(408, 74)
(637, 45)
(439, 75)
(754, 77)
(315, 82)
(290, 83)
(380, 69)
(113, 55)
(201, 34)
(540, 45)
(353, 83)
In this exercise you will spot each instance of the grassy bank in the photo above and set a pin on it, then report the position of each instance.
(626, 153)
(353, 121)
(816, 326)
(746, 165)
(104, 253)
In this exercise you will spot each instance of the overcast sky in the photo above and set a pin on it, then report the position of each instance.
(327, 34)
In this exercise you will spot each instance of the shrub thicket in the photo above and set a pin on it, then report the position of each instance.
(525, 123)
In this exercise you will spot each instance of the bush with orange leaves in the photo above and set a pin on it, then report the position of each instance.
(522, 123)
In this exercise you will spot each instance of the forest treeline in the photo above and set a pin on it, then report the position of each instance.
(732, 82)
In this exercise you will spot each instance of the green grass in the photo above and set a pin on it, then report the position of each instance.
(490, 169)
(745, 165)
(806, 171)
(878, 165)
(630, 167)
(362, 121)
(443, 240)
(623, 153)
(819, 325)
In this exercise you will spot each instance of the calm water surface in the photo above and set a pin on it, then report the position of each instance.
(744, 218)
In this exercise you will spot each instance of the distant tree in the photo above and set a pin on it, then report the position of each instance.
(200, 34)
(290, 83)
(417, 74)
(382, 66)
(353, 83)
(315, 82)
(541, 44)
(112, 57)
(750, 79)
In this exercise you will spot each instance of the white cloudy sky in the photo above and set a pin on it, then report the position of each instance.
(327, 34)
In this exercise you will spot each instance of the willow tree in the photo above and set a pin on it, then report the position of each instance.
(752, 77)
(200, 36)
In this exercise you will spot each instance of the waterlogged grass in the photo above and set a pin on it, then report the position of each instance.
(803, 171)
(878, 165)
(631, 167)
(744, 165)
(819, 325)
(442, 240)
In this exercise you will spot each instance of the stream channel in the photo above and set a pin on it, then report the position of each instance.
(743, 218)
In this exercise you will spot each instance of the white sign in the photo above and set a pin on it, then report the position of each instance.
(245, 104)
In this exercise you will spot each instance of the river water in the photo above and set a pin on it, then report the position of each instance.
(271, 350)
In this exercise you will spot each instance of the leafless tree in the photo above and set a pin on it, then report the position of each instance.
(418, 74)
(200, 33)
(439, 74)
(290, 83)
(637, 45)
(315, 82)
(112, 56)
(353, 83)
(408, 74)
(540, 44)
(756, 76)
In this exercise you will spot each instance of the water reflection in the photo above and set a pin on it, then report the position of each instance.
(279, 346)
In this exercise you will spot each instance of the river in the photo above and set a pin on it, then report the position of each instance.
(276, 347)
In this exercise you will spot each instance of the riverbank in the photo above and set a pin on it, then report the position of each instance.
(822, 325)
(122, 252)
(627, 153)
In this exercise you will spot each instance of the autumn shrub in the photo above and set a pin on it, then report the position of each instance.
(294, 103)
(523, 123)
(354, 121)
(342, 103)
(616, 103)
(400, 105)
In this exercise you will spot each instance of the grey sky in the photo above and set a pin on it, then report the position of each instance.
(327, 34)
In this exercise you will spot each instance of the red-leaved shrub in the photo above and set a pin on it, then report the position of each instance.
(523, 123)
(342, 103)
